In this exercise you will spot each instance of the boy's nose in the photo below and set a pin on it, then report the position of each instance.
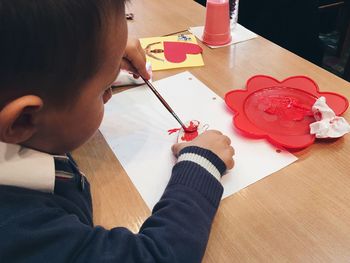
(107, 95)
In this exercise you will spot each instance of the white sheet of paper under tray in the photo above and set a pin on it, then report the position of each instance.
(135, 127)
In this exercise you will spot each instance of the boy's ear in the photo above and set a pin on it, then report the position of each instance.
(16, 119)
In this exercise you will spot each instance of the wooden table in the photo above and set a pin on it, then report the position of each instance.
(299, 214)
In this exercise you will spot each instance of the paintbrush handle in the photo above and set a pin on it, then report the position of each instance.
(166, 105)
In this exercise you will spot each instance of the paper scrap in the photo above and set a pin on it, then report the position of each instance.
(136, 128)
(327, 124)
(239, 34)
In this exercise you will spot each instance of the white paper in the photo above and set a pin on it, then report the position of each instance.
(136, 123)
(238, 33)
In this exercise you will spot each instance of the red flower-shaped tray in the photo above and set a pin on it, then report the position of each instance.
(280, 111)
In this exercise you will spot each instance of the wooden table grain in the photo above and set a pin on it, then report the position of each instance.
(298, 214)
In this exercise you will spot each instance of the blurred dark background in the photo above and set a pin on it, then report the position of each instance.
(318, 31)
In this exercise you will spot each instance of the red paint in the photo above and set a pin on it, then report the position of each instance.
(189, 136)
(318, 115)
(176, 52)
(191, 133)
(286, 108)
(171, 131)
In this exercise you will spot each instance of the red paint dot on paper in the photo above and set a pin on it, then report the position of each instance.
(171, 131)
(191, 133)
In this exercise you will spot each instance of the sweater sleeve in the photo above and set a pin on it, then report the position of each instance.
(177, 230)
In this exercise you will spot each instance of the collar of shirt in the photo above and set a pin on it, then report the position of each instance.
(26, 168)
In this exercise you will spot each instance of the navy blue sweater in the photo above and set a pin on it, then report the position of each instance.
(42, 227)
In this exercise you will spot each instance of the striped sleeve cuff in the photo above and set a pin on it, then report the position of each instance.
(201, 161)
(201, 170)
(204, 158)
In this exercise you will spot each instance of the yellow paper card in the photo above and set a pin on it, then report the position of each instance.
(172, 52)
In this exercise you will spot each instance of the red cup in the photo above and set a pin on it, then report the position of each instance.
(217, 30)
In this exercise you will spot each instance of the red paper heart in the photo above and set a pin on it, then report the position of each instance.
(176, 52)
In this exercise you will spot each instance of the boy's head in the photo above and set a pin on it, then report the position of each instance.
(57, 60)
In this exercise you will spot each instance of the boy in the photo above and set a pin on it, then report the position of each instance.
(57, 60)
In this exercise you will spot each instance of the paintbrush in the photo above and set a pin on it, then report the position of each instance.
(167, 106)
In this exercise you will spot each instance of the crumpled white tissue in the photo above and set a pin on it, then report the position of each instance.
(126, 78)
(327, 124)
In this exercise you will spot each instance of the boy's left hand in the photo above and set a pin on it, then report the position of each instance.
(134, 59)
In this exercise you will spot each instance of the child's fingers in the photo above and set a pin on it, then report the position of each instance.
(214, 131)
(137, 58)
(227, 140)
(126, 65)
(230, 164)
(139, 66)
(142, 52)
(232, 151)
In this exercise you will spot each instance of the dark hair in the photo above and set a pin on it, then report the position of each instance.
(48, 47)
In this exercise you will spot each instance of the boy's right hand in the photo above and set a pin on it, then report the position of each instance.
(214, 141)
(134, 59)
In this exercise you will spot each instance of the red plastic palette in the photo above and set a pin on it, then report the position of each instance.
(280, 111)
